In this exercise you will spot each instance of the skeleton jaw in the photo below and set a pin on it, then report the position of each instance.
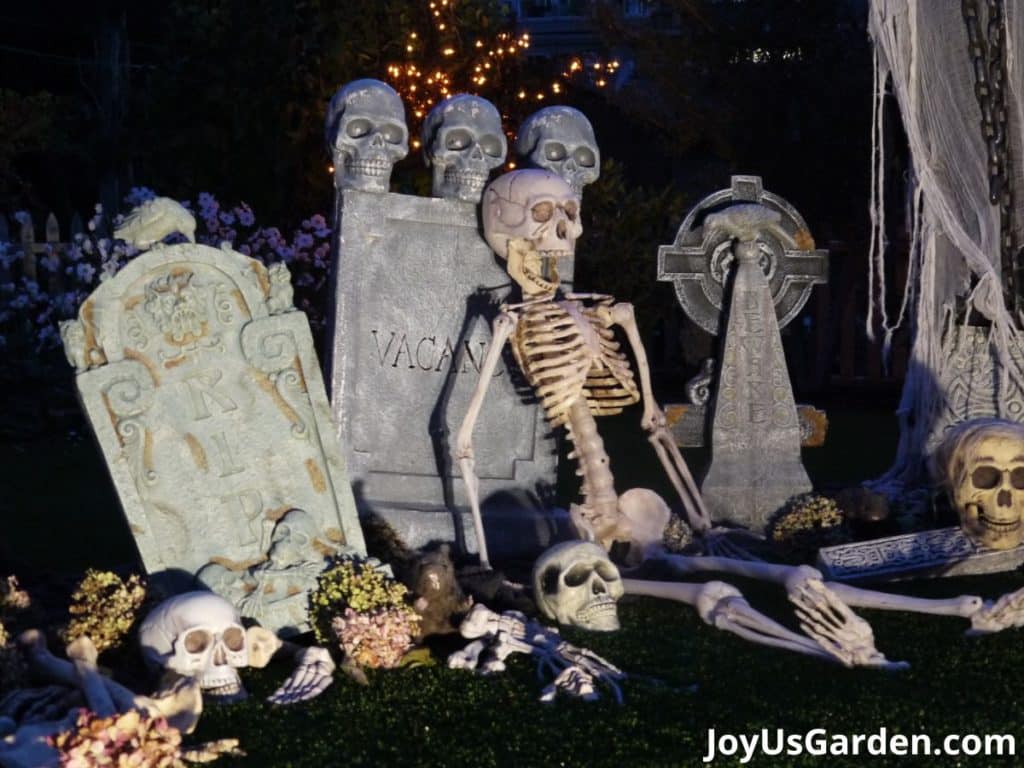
(535, 271)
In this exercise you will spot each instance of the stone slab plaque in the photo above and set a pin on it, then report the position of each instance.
(689, 422)
(202, 386)
(942, 552)
(416, 289)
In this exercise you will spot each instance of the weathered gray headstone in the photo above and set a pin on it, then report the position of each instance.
(203, 389)
(942, 552)
(416, 290)
(755, 435)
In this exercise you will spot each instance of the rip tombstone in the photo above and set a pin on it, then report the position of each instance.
(202, 387)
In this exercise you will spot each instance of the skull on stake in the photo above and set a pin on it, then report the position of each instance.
(463, 141)
(561, 140)
(575, 583)
(981, 463)
(199, 634)
(366, 134)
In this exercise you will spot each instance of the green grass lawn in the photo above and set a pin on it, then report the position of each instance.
(60, 514)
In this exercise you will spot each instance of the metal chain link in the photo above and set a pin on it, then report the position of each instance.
(988, 57)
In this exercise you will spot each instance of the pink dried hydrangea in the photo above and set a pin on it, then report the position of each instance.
(129, 740)
(377, 639)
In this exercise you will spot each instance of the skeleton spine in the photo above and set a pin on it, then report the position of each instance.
(598, 483)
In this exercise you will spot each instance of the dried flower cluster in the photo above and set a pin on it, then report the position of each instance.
(366, 611)
(12, 667)
(104, 608)
(122, 741)
(807, 523)
(12, 596)
(378, 639)
(677, 535)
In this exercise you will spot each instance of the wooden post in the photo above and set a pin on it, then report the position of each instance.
(28, 247)
(53, 246)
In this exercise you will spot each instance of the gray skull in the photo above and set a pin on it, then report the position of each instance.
(463, 141)
(576, 584)
(561, 140)
(366, 135)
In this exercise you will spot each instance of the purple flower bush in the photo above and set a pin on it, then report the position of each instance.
(31, 309)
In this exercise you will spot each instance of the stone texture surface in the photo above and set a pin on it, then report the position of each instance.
(699, 266)
(204, 391)
(689, 424)
(942, 552)
(416, 289)
(755, 435)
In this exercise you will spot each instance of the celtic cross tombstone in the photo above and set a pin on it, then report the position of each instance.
(753, 249)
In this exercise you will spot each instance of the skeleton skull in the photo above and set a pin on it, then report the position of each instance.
(536, 207)
(198, 634)
(366, 135)
(463, 141)
(575, 583)
(982, 464)
(561, 140)
(292, 540)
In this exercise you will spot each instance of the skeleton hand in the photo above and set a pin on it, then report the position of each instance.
(312, 676)
(839, 631)
(575, 682)
(1004, 613)
(468, 657)
(481, 621)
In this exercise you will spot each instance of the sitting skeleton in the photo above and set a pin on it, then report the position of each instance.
(566, 347)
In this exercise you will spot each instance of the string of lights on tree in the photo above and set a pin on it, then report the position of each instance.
(439, 62)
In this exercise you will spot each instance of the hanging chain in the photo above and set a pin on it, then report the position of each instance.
(988, 56)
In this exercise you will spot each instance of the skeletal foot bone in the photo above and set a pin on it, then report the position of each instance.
(837, 629)
(83, 655)
(311, 677)
(1004, 613)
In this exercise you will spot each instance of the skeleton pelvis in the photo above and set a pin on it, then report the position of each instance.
(639, 519)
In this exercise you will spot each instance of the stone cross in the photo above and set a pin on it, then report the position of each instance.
(203, 389)
(754, 246)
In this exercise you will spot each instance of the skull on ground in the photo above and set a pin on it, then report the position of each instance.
(366, 135)
(463, 141)
(981, 463)
(575, 583)
(198, 634)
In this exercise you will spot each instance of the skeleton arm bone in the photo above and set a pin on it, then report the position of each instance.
(504, 325)
(653, 421)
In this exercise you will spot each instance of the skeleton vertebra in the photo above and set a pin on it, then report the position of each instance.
(568, 353)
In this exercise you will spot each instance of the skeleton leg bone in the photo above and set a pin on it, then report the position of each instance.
(83, 654)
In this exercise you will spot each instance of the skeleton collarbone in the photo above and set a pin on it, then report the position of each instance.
(568, 352)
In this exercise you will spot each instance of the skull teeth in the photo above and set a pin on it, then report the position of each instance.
(369, 167)
(601, 608)
(469, 179)
(1001, 525)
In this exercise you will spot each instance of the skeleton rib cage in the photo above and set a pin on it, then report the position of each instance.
(568, 352)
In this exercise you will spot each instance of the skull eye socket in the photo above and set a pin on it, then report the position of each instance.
(197, 641)
(543, 211)
(358, 127)
(554, 151)
(584, 157)
(234, 639)
(1017, 478)
(392, 133)
(577, 575)
(986, 477)
(458, 139)
(607, 571)
(571, 210)
(491, 145)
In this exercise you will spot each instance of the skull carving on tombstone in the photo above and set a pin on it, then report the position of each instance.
(463, 142)
(198, 634)
(575, 583)
(981, 463)
(366, 135)
(561, 140)
(534, 206)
